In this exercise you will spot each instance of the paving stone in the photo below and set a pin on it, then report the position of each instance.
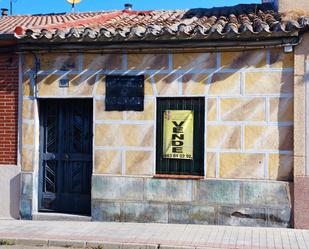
(117, 188)
(150, 236)
(105, 211)
(238, 216)
(168, 190)
(144, 212)
(218, 191)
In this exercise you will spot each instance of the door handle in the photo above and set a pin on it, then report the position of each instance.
(66, 157)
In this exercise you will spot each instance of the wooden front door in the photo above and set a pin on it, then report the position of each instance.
(65, 155)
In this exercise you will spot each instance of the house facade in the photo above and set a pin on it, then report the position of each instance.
(194, 116)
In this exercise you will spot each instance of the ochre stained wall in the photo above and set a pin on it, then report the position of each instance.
(249, 104)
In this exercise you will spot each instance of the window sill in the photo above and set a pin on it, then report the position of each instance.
(189, 177)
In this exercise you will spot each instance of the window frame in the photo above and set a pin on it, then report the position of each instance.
(198, 163)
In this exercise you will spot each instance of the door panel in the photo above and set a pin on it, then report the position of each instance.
(178, 166)
(66, 155)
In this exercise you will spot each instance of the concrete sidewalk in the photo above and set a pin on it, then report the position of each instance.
(141, 235)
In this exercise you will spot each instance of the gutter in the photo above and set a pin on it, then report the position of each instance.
(160, 46)
(8, 43)
(7, 37)
(20, 46)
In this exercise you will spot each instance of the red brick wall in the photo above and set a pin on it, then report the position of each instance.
(301, 202)
(8, 108)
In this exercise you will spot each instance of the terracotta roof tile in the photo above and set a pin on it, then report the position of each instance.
(9, 23)
(249, 21)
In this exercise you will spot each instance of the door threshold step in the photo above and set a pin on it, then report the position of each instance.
(59, 217)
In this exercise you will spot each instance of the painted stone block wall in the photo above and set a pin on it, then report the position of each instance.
(249, 134)
(249, 103)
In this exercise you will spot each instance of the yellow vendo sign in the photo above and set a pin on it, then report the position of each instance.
(178, 134)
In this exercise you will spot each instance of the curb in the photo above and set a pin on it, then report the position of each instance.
(86, 244)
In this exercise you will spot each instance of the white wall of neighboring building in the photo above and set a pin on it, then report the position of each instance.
(288, 5)
(9, 191)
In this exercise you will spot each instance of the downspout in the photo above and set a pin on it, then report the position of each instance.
(37, 66)
(20, 108)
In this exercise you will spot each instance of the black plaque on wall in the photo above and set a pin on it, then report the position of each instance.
(124, 93)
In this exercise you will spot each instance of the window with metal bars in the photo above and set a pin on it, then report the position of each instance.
(168, 166)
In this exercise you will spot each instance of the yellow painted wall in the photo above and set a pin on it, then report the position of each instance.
(249, 103)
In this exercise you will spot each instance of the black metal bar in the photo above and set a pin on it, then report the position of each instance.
(178, 166)
(72, 174)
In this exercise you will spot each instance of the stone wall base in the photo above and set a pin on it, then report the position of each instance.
(301, 202)
(146, 212)
(216, 202)
(26, 199)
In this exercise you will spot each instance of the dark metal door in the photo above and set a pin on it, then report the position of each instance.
(193, 167)
(65, 155)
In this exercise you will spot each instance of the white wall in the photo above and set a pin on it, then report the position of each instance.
(9, 191)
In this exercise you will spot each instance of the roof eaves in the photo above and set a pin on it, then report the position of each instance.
(163, 45)
(7, 37)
